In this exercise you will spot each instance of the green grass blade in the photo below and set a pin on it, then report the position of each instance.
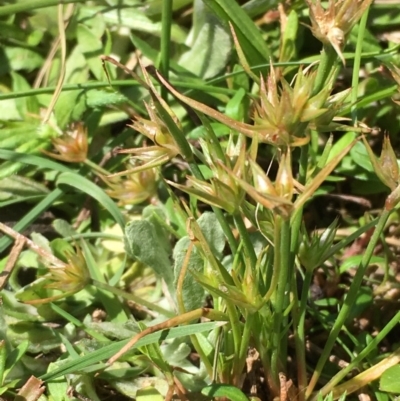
(84, 185)
(111, 349)
(249, 36)
(30, 217)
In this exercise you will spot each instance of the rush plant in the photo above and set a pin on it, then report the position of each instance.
(202, 281)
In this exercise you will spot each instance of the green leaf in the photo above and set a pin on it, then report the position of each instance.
(99, 98)
(86, 361)
(360, 157)
(133, 18)
(234, 108)
(92, 48)
(141, 241)
(23, 59)
(15, 356)
(354, 261)
(148, 394)
(17, 187)
(212, 232)
(192, 291)
(288, 47)
(156, 216)
(91, 189)
(249, 36)
(224, 390)
(27, 105)
(209, 41)
(390, 380)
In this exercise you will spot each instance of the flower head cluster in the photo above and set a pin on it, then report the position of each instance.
(387, 170)
(164, 148)
(283, 112)
(72, 146)
(135, 188)
(222, 190)
(332, 25)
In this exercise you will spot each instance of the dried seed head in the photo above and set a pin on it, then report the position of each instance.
(332, 25)
(72, 146)
(135, 188)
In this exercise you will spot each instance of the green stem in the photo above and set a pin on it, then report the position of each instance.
(32, 215)
(166, 22)
(299, 313)
(356, 67)
(281, 262)
(96, 168)
(327, 61)
(299, 316)
(244, 346)
(372, 346)
(202, 355)
(25, 6)
(244, 236)
(131, 297)
(349, 301)
(296, 223)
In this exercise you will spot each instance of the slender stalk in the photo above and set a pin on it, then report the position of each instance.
(299, 316)
(166, 22)
(327, 62)
(25, 6)
(298, 313)
(237, 335)
(372, 346)
(296, 223)
(96, 168)
(348, 301)
(240, 359)
(202, 355)
(351, 296)
(281, 262)
(132, 297)
(356, 67)
(32, 215)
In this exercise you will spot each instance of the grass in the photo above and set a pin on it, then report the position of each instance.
(192, 205)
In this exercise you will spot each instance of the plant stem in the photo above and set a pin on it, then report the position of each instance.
(327, 62)
(348, 301)
(356, 67)
(299, 316)
(244, 345)
(372, 346)
(96, 168)
(296, 224)
(32, 215)
(25, 6)
(166, 21)
(281, 262)
(132, 297)
(298, 313)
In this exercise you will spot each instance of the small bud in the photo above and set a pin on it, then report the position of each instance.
(284, 183)
(314, 251)
(386, 167)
